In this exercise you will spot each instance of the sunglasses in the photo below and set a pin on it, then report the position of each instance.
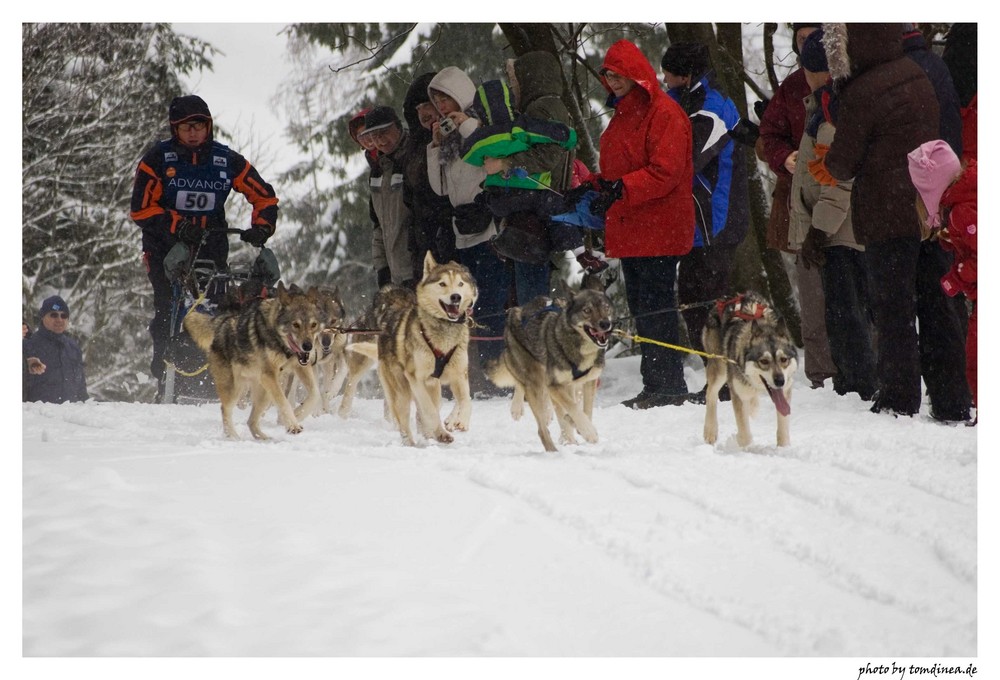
(197, 126)
(57, 315)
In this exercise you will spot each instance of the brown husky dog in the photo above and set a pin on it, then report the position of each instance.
(248, 347)
(553, 354)
(424, 345)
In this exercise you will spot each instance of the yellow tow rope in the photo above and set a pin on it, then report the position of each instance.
(638, 338)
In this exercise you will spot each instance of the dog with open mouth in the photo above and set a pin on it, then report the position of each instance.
(553, 356)
(249, 346)
(755, 356)
(424, 345)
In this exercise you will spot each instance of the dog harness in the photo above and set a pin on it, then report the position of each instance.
(441, 359)
(746, 311)
(551, 308)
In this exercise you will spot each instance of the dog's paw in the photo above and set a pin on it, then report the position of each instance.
(711, 434)
(516, 410)
(568, 439)
(294, 428)
(455, 423)
(445, 438)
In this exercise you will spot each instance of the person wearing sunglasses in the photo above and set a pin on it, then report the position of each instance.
(179, 196)
(52, 358)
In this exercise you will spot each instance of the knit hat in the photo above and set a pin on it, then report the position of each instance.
(356, 122)
(813, 55)
(53, 303)
(797, 27)
(686, 59)
(188, 107)
(381, 117)
(933, 167)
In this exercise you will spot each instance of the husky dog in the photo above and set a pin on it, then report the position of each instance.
(760, 358)
(424, 345)
(362, 353)
(552, 353)
(248, 347)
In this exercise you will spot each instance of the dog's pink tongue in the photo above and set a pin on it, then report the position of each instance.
(780, 403)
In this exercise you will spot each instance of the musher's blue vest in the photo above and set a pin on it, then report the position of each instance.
(196, 189)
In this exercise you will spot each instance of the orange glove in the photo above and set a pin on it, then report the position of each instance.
(817, 168)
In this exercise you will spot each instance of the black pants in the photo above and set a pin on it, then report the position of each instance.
(904, 277)
(702, 275)
(216, 248)
(649, 287)
(848, 320)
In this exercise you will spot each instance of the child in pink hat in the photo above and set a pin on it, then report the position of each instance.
(947, 195)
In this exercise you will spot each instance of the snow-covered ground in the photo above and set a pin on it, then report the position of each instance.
(147, 534)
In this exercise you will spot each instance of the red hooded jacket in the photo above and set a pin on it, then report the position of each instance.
(961, 201)
(647, 145)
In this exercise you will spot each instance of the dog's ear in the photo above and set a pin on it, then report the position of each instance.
(282, 292)
(429, 263)
(313, 294)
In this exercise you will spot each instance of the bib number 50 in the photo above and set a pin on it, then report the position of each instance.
(195, 200)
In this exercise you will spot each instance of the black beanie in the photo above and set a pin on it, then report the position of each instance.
(813, 55)
(686, 59)
(795, 30)
(188, 107)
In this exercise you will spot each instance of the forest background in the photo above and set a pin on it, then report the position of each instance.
(94, 98)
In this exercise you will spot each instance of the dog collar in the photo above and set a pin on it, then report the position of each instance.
(441, 359)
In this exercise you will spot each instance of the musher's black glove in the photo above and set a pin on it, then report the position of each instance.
(188, 232)
(255, 235)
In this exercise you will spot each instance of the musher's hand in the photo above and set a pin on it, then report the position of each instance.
(188, 232)
(255, 235)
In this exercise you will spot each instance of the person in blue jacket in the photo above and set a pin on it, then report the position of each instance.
(53, 360)
(720, 184)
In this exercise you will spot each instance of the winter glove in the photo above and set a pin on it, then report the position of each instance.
(255, 235)
(177, 260)
(188, 232)
(572, 196)
(745, 132)
(383, 276)
(811, 250)
(608, 193)
(817, 167)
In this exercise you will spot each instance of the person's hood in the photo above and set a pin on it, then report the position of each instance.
(356, 122)
(453, 82)
(416, 95)
(538, 75)
(852, 49)
(624, 58)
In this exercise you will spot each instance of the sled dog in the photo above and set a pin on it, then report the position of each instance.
(247, 347)
(362, 348)
(553, 355)
(760, 358)
(423, 345)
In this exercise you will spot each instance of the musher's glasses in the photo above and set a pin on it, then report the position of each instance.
(197, 126)
(57, 315)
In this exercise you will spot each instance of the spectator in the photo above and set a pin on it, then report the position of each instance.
(947, 196)
(53, 359)
(721, 196)
(950, 111)
(781, 129)
(431, 229)
(644, 187)
(887, 105)
(356, 128)
(179, 196)
(821, 229)
(391, 217)
(962, 61)
(452, 93)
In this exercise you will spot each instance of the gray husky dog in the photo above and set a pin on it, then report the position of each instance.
(759, 358)
(249, 346)
(553, 355)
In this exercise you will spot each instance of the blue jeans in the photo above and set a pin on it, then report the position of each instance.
(493, 280)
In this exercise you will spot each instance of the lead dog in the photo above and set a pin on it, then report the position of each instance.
(424, 345)
(759, 358)
(247, 347)
(553, 355)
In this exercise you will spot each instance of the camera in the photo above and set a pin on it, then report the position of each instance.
(447, 126)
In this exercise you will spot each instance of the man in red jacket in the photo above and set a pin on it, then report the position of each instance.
(645, 186)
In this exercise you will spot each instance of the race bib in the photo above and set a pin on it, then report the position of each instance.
(195, 201)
